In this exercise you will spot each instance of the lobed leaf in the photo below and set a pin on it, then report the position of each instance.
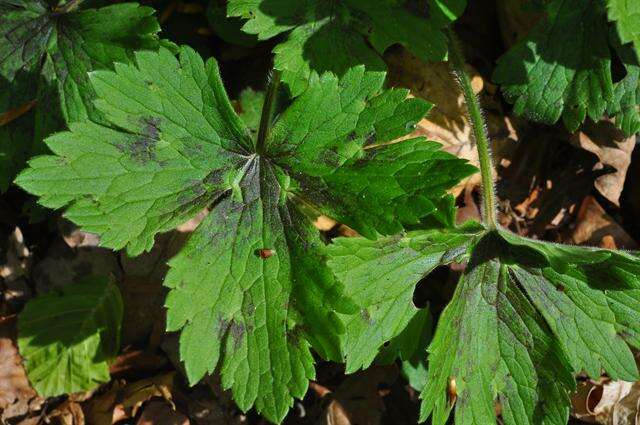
(379, 275)
(525, 317)
(67, 339)
(159, 168)
(554, 73)
(250, 293)
(236, 308)
(338, 35)
(626, 14)
(45, 55)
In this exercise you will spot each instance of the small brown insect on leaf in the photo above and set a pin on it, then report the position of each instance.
(265, 253)
(452, 393)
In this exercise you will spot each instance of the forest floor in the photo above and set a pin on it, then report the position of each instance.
(581, 188)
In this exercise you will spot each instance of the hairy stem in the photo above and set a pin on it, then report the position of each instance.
(478, 125)
(267, 110)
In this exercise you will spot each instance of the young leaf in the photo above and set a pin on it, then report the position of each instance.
(337, 35)
(525, 317)
(45, 54)
(249, 292)
(67, 339)
(556, 72)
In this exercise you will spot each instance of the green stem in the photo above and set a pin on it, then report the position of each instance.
(478, 125)
(267, 110)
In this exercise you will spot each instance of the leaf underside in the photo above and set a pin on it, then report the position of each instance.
(558, 73)
(525, 317)
(250, 292)
(68, 339)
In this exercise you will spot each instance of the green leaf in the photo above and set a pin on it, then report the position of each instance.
(564, 69)
(162, 169)
(410, 342)
(626, 94)
(626, 14)
(49, 51)
(250, 293)
(250, 103)
(230, 302)
(228, 29)
(67, 339)
(525, 317)
(380, 276)
(415, 172)
(411, 347)
(474, 309)
(335, 36)
(335, 172)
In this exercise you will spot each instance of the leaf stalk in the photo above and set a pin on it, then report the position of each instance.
(479, 128)
(268, 107)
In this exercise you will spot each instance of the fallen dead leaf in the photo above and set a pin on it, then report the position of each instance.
(74, 237)
(470, 209)
(17, 397)
(613, 150)
(320, 390)
(33, 420)
(607, 402)
(123, 401)
(67, 413)
(136, 362)
(358, 400)
(595, 227)
(324, 223)
(15, 294)
(104, 409)
(15, 266)
(546, 183)
(627, 410)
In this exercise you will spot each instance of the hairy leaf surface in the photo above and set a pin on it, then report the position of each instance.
(45, 55)
(526, 316)
(250, 292)
(68, 339)
(339, 34)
